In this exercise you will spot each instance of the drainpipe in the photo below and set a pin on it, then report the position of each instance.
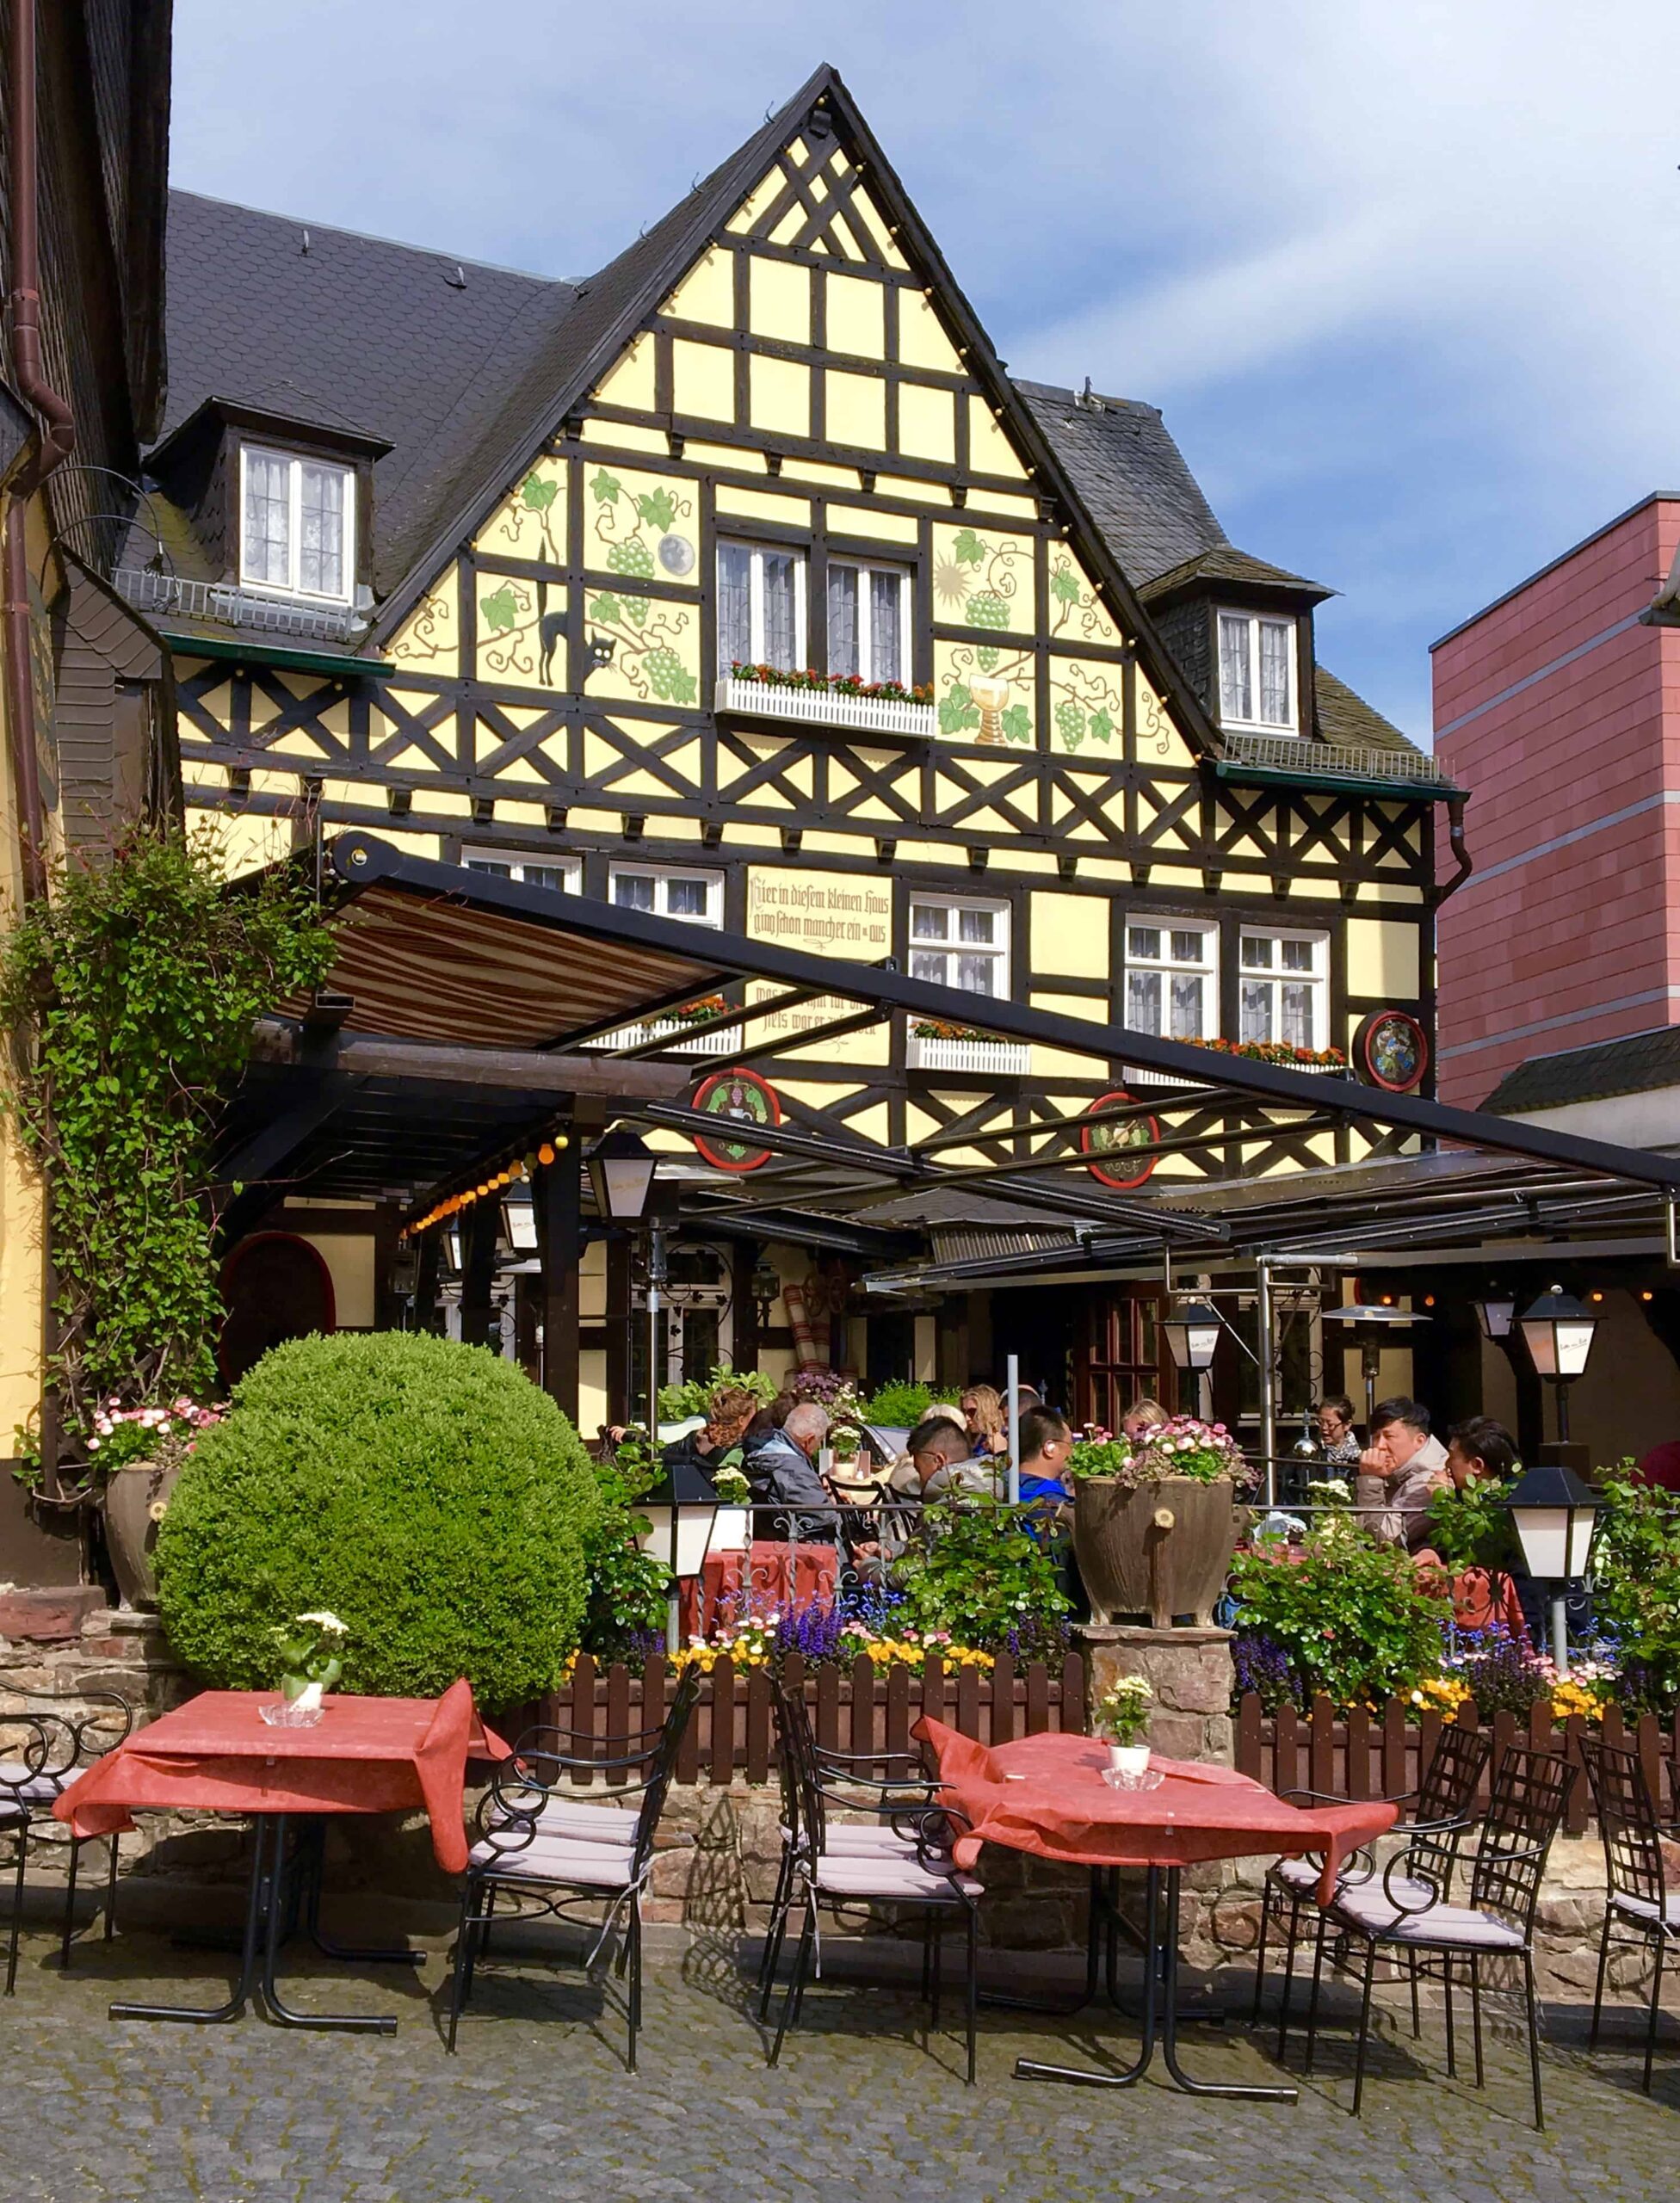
(57, 440)
(1456, 804)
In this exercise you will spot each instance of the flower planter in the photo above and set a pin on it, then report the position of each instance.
(130, 1494)
(1160, 1550)
(766, 700)
(996, 1058)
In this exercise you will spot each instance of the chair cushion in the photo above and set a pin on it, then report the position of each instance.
(861, 1840)
(1299, 1877)
(893, 1881)
(1647, 1909)
(1367, 1908)
(581, 1824)
(554, 1859)
(18, 1784)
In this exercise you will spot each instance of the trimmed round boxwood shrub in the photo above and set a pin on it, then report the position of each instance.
(428, 1494)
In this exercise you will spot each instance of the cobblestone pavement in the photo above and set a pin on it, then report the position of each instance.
(539, 2105)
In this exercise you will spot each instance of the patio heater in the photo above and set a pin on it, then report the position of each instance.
(1557, 1331)
(1369, 1322)
(1552, 1511)
(621, 1169)
(1193, 1338)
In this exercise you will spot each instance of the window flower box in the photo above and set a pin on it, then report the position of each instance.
(933, 1045)
(1323, 1063)
(816, 700)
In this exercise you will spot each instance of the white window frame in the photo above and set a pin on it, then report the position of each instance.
(1253, 622)
(663, 876)
(759, 551)
(999, 950)
(294, 462)
(569, 867)
(1277, 978)
(1166, 965)
(862, 568)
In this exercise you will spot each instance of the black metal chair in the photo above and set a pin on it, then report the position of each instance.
(1531, 1794)
(908, 1865)
(1444, 1803)
(879, 1795)
(54, 1749)
(549, 1851)
(1639, 1912)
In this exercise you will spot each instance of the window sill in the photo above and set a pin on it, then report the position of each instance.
(823, 707)
(996, 1058)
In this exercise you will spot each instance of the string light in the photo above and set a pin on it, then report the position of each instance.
(520, 1168)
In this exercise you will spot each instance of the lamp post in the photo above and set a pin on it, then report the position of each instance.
(621, 1167)
(1557, 1331)
(1552, 1511)
(1193, 1337)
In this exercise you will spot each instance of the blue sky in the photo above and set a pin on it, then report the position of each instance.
(1405, 281)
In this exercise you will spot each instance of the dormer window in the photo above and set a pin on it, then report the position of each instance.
(1258, 672)
(296, 524)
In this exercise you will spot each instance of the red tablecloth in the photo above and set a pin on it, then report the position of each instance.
(730, 1584)
(1046, 1794)
(216, 1754)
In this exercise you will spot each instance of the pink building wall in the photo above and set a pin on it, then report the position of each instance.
(1560, 711)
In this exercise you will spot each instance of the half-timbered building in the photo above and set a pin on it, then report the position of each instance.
(738, 583)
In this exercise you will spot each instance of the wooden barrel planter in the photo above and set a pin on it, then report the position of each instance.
(1158, 1550)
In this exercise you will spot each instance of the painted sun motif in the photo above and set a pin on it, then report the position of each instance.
(951, 582)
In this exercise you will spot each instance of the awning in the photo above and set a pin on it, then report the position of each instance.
(532, 992)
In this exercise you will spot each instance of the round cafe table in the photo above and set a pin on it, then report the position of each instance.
(1047, 1795)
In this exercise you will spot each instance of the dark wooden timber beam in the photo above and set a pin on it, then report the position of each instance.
(368, 1055)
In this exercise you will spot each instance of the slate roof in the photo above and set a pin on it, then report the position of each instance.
(1347, 718)
(1132, 476)
(358, 333)
(1226, 563)
(1637, 1064)
(463, 368)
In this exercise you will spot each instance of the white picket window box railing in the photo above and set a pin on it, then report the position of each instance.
(827, 707)
(658, 1028)
(1135, 1075)
(996, 1058)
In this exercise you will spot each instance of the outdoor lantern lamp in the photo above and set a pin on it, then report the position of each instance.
(1558, 1332)
(1552, 1511)
(681, 1510)
(1192, 1334)
(621, 1167)
(1496, 1312)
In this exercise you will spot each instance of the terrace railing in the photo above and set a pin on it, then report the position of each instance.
(864, 1707)
(1380, 1751)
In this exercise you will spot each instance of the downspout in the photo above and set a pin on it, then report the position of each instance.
(57, 440)
(1461, 856)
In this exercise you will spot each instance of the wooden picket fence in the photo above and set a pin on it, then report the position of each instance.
(1380, 1753)
(862, 1708)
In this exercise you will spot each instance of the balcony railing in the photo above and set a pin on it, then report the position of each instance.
(826, 707)
(997, 1058)
(1295, 753)
(229, 606)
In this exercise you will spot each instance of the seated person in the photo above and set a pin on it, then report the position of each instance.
(1337, 1439)
(985, 1420)
(1478, 1450)
(731, 1409)
(1406, 1466)
(1140, 1418)
(1045, 1439)
(781, 1470)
